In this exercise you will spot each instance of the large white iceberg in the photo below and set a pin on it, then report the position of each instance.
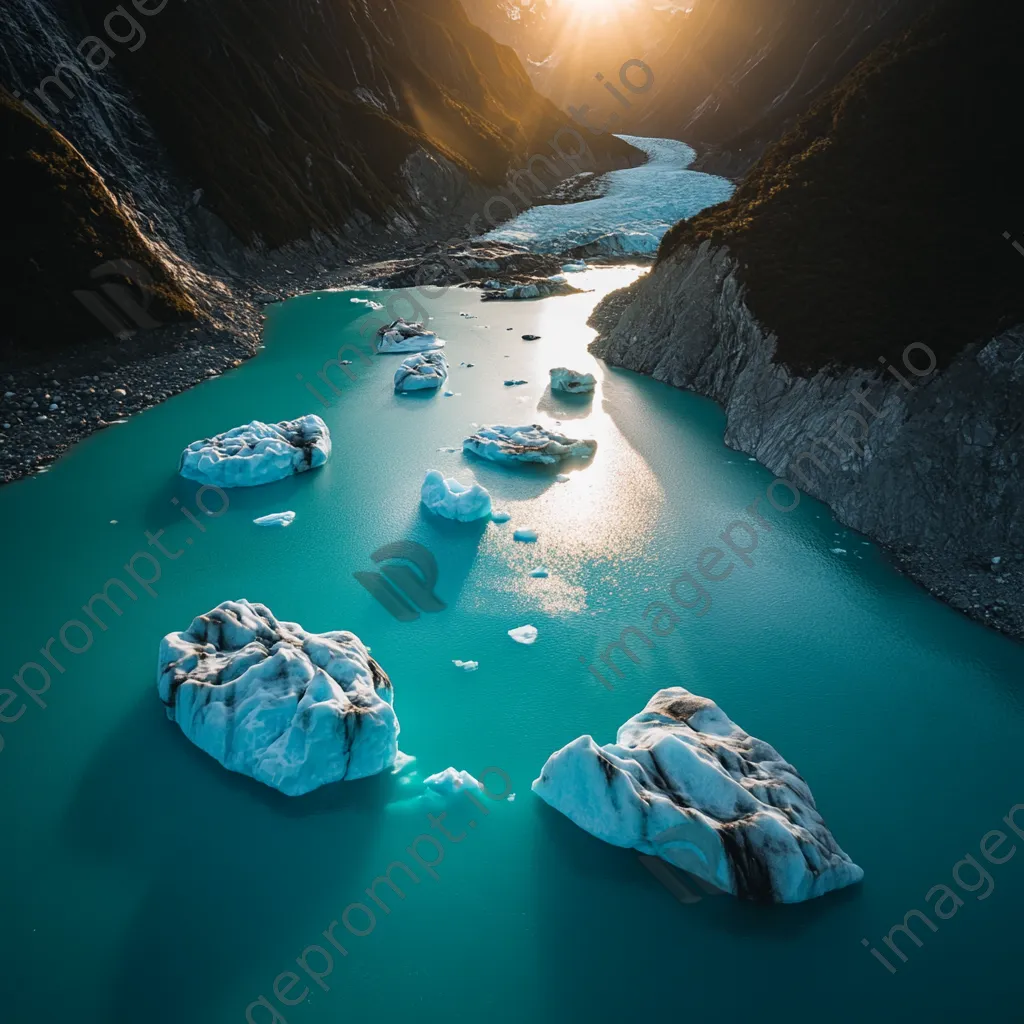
(292, 709)
(402, 336)
(445, 496)
(420, 371)
(257, 453)
(529, 443)
(572, 381)
(684, 783)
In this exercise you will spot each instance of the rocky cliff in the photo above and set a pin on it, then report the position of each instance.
(855, 307)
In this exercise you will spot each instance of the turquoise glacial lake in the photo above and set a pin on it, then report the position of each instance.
(143, 883)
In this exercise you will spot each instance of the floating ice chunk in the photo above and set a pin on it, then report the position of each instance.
(523, 634)
(573, 268)
(526, 536)
(563, 478)
(515, 382)
(684, 783)
(292, 709)
(449, 394)
(530, 337)
(402, 761)
(448, 450)
(529, 443)
(368, 303)
(451, 783)
(449, 498)
(501, 517)
(402, 336)
(257, 453)
(466, 666)
(540, 573)
(276, 519)
(838, 551)
(423, 370)
(572, 381)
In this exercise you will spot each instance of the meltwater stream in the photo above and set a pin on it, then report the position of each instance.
(144, 883)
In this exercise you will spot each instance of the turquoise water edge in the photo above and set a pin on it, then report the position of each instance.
(144, 883)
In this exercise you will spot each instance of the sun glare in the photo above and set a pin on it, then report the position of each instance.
(592, 6)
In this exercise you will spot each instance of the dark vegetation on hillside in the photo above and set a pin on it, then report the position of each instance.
(62, 224)
(879, 220)
(292, 116)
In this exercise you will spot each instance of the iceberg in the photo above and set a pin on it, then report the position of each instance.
(572, 381)
(684, 783)
(447, 497)
(257, 453)
(423, 370)
(450, 782)
(529, 443)
(291, 709)
(276, 519)
(524, 634)
(402, 336)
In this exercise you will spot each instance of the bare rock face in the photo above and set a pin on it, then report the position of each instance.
(929, 465)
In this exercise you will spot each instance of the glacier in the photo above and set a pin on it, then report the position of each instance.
(257, 453)
(640, 204)
(293, 710)
(685, 783)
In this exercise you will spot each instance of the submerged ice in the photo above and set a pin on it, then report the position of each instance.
(684, 783)
(257, 453)
(291, 709)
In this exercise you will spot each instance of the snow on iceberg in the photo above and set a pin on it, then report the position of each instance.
(450, 782)
(291, 709)
(257, 453)
(684, 783)
(447, 497)
(423, 370)
(572, 381)
(402, 336)
(276, 519)
(529, 443)
(637, 208)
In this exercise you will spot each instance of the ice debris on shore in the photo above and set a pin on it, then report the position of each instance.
(572, 381)
(402, 336)
(257, 453)
(421, 371)
(292, 709)
(448, 498)
(524, 634)
(684, 783)
(276, 519)
(529, 443)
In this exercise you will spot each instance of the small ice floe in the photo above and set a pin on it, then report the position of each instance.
(292, 709)
(402, 761)
(449, 394)
(257, 453)
(523, 634)
(563, 478)
(526, 536)
(684, 783)
(573, 268)
(572, 381)
(531, 337)
(421, 371)
(466, 666)
(540, 573)
(500, 517)
(368, 303)
(838, 551)
(528, 443)
(402, 336)
(449, 451)
(452, 500)
(451, 783)
(276, 519)
(113, 522)
(515, 382)
(997, 559)
(468, 316)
